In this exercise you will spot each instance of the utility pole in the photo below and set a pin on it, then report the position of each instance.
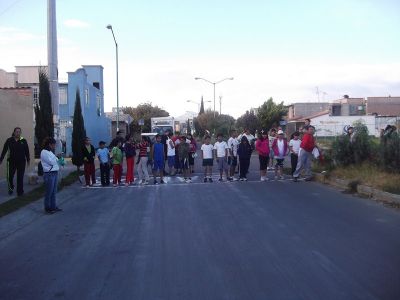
(220, 105)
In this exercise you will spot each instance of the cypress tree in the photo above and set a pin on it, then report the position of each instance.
(44, 127)
(78, 133)
(201, 106)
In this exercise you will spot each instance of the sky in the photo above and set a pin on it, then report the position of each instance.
(280, 49)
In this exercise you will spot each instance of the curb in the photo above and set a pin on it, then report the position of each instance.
(360, 189)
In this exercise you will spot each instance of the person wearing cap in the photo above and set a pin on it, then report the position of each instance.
(50, 175)
(305, 157)
(281, 149)
(262, 147)
(294, 147)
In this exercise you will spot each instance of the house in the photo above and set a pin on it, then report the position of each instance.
(124, 121)
(16, 111)
(348, 107)
(383, 106)
(88, 82)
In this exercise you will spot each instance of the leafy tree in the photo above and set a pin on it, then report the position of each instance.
(201, 107)
(270, 113)
(44, 127)
(220, 124)
(78, 133)
(144, 111)
(249, 121)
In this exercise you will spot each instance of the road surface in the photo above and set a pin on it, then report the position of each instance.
(240, 240)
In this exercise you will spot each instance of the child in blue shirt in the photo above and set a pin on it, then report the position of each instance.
(158, 157)
(104, 159)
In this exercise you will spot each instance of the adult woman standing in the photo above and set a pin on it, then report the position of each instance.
(50, 175)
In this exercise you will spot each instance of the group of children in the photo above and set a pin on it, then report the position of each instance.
(178, 153)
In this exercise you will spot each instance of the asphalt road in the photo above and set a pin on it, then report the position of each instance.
(240, 240)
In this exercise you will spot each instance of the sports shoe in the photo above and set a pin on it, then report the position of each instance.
(210, 179)
(155, 182)
(162, 181)
(295, 179)
(205, 179)
(57, 209)
(220, 180)
(282, 177)
(241, 179)
(189, 180)
(245, 179)
(114, 185)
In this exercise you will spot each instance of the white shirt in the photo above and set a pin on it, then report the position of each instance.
(221, 147)
(295, 144)
(207, 151)
(170, 149)
(281, 148)
(49, 161)
(233, 145)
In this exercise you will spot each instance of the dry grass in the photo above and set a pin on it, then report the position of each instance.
(370, 175)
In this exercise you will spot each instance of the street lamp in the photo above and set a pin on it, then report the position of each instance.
(214, 83)
(198, 103)
(116, 59)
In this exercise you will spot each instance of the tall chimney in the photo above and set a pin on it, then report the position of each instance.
(52, 55)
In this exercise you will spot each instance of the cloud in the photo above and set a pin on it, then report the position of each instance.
(12, 35)
(73, 23)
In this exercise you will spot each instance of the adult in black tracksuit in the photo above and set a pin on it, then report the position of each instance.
(18, 154)
(244, 152)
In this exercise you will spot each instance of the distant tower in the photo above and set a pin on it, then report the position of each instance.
(52, 55)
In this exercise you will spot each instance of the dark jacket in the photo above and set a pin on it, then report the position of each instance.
(244, 151)
(18, 151)
(130, 150)
(89, 156)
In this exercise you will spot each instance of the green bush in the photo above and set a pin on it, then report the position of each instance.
(354, 150)
(390, 152)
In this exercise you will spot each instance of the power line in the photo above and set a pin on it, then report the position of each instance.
(9, 7)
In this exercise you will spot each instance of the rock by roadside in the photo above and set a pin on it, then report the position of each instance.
(362, 190)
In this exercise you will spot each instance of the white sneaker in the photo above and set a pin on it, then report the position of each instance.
(245, 179)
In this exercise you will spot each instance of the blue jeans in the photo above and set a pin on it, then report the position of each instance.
(50, 183)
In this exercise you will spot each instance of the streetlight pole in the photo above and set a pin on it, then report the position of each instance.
(198, 104)
(214, 84)
(116, 58)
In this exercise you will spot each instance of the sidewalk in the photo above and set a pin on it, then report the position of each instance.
(64, 171)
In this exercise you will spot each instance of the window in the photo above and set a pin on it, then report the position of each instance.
(336, 110)
(87, 96)
(35, 95)
(62, 94)
(98, 103)
(96, 85)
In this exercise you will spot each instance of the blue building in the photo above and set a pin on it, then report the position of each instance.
(88, 80)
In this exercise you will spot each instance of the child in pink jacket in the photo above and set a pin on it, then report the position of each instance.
(262, 147)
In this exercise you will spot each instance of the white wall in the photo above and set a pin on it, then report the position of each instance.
(333, 125)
